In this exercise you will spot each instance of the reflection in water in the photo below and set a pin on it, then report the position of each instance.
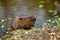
(1, 13)
(40, 17)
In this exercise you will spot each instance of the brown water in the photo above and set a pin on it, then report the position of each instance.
(26, 7)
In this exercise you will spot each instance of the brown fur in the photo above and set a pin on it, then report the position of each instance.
(23, 22)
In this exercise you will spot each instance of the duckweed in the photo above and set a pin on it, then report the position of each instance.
(7, 32)
(2, 20)
(40, 6)
(10, 18)
(2, 27)
(50, 10)
(9, 28)
(53, 22)
(49, 20)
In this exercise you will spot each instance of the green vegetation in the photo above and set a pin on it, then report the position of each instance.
(58, 21)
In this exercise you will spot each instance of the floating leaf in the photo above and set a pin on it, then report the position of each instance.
(2, 20)
(9, 18)
(7, 32)
(58, 18)
(53, 22)
(50, 10)
(49, 20)
(2, 26)
(55, 11)
(40, 6)
(9, 28)
(45, 23)
(58, 21)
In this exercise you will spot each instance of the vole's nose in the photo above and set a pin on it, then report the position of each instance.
(34, 19)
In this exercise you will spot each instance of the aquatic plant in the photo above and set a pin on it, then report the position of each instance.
(58, 21)
(3, 23)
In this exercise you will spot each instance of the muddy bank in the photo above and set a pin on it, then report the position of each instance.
(45, 33)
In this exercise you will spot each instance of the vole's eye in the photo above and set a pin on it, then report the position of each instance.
(28, 17)
(20, 18)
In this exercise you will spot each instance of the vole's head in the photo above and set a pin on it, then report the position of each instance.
(30, 18)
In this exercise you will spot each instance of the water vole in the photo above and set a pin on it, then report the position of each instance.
(23, 22)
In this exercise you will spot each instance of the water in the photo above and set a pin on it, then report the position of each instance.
(25, 8)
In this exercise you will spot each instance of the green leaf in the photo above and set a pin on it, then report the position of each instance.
(2, 20)
(2, 26)
(40, 6)
(44, 24)
(7, 32)
(57, 16)
(50, 10)
(9, 28)
(49, 20)
(55, 11)
(53, 22)
(9, 18)
(59, 19)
